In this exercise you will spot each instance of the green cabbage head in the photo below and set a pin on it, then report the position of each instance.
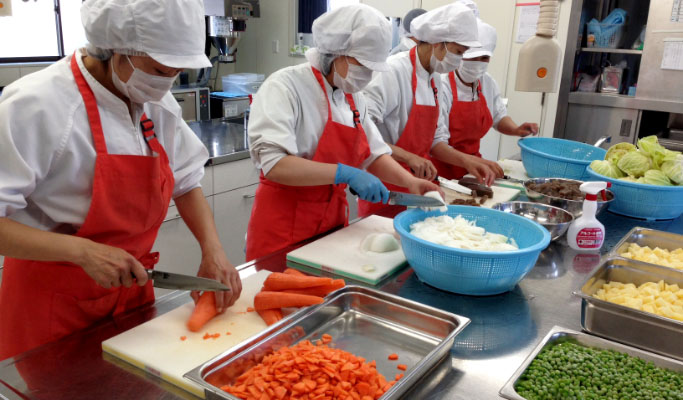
(606, 168)
(651, 147)
(629, 179)
(656, 177)
(673, 169)
(617, 151)
(634, 164)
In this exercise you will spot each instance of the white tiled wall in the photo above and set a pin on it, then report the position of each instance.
(10, 73)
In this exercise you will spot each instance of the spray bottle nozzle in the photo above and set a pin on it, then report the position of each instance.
(592, 189)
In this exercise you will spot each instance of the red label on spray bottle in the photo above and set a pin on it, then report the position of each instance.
(589, 238)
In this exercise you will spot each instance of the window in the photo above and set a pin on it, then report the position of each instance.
(40, 30)
(308, 11)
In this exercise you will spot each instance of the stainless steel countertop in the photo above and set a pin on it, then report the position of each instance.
(503, 332)
(225, 139)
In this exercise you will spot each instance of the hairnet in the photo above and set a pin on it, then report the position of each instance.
(487, 37)
(450, 23)
(410, 16)
(358, 31)
(172, 32)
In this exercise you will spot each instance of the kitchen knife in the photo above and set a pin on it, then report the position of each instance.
(406, 199)
(453, 185)
(168, 280)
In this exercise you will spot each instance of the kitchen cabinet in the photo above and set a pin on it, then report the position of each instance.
(232, 210)
(234, 175)
(178, 250)
(591, 122)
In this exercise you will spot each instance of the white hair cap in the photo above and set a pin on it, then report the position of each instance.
(450, 23)
(172, 32)
(358, 31)
(471, 5)
(487, 37)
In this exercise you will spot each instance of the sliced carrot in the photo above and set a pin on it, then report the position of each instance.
(270, 316)
(280, 281)
(292, 271)
(228, 333)
(398, 376)
(393, 356)
(250, 309)
(402, 367)
(326, 338)
(183, 338)
(307, 371)
(203, 312)
(272, 300)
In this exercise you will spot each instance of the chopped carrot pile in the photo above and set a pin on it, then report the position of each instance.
(309, 372)
(402, 367)
(393, 356)
(183, 338)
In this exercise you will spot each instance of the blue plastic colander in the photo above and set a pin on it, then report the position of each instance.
(640, 200)
(468, 271)
(558, 158)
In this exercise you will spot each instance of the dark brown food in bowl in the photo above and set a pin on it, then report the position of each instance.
(564, 190)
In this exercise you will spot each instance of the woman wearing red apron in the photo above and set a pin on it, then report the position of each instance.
(405, 101)
(473, 104)
(77, 230)
(310, 136)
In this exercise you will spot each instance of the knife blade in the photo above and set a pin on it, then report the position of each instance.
(406, 199)
(169, 280)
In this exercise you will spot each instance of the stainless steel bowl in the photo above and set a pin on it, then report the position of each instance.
(554, 219)
(573, 206)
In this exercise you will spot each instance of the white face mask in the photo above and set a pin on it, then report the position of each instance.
(141, 86)
(472, 71)
(357, 78)
(450, 62)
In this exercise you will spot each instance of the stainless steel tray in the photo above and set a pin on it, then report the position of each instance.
(559, 334)
(624, 324)
(363, 321)
(648, 237)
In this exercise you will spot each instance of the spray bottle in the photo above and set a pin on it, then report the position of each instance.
(586, 233)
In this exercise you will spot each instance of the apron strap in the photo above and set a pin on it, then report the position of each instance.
(413, 56)
(319, 78)
(147, 127)
(90, 106)
(354, 110)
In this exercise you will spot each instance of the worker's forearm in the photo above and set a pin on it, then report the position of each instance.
(388, 170)
(445, 153)
(399, 154)
(21, 241)
(506, 126)
(195, 211)
(297, 171)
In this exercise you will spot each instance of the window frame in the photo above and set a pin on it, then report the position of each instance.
(60, 43)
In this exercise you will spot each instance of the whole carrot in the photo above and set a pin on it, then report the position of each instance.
(279, 281)
(203, 312)
(267, 300)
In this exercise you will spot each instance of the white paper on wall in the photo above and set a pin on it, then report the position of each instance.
(528, 19)
(672, 57)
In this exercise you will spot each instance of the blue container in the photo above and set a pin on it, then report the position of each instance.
(640, 200)
(468, 271)
(558, 158)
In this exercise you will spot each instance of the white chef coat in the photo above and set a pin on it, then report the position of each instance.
(47, 156)
(289, 113)
(390, 97)
(489, 88)
(404, 44)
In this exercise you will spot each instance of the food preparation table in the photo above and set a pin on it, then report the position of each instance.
(504, 330)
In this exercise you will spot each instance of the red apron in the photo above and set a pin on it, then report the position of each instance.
(42, 301)
(468, 123)
(417, 138)
(283, 215)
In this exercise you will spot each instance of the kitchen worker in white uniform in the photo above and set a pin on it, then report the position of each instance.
(404, 102)
(310, 134)
(93, 150)
(407, 41)
(478, 106)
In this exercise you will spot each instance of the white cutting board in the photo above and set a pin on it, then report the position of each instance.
(500, 194)
(340, 252)
(513, 169)
(155, 346)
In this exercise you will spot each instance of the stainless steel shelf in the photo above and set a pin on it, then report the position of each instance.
(623, 101)
(608, 50)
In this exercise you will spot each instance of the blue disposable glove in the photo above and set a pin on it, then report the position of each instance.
(366, 185)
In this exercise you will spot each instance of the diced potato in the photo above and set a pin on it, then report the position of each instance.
(658, 298)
